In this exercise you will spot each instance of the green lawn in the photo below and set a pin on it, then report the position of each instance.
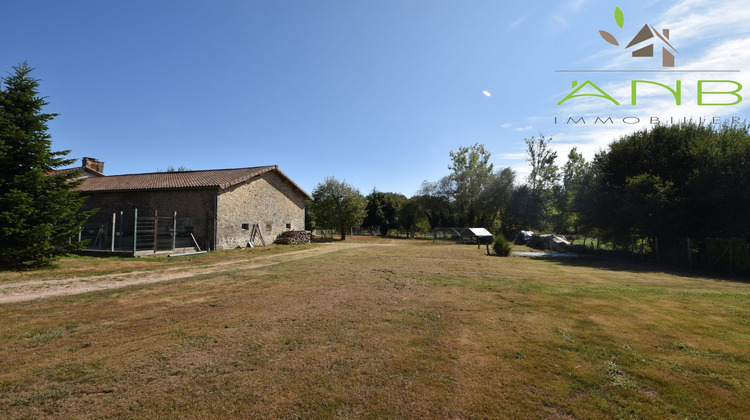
(400, 329)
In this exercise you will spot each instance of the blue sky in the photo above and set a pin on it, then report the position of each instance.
(377, 93)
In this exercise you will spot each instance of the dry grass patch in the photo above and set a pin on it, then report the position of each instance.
(76, 266)
(409, 330)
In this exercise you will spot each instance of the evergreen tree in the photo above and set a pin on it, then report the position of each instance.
(39, 209)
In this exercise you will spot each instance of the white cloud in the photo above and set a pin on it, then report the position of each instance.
(513, 156)
(516, 23)
(706, 19)
(576, 4)
(559, 19)
(506, 125)
(524, 128)
(522, 172)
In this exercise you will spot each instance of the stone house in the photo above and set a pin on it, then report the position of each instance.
(218, 208)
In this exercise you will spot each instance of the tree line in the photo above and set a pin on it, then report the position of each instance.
(472, 194)
(667, 182)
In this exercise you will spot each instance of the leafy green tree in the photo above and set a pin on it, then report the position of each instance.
(410, 214)
(39, 208)
(382, 210)
(337, 205)
(434, 200)
(525, 211)
(471, 174)
(471, 195)
(544, 173)
(538, 211)
(496, 197)
(171, 168)
(573, 169)
(670, 182)
(565, 219)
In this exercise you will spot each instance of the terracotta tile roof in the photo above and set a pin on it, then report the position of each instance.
(217, 178)
(85, 172)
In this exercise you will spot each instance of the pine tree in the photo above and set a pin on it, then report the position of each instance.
(39, 209)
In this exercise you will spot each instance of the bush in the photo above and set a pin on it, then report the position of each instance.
(501, 246)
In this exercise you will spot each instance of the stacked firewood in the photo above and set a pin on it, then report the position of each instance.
(293, 237)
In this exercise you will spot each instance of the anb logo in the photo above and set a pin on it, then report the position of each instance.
(644, 41)
(721, 92)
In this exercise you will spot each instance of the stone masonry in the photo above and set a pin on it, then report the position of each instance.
(268, 200)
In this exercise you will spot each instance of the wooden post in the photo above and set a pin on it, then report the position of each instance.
(207, 244)
(656, 244)
(690, 254)
(613, 246)
(174, 230)
(632, 248)
(135, 231)
(597, 244)
(641, 249)
(731, 256)
(121, 235)
(114, 220)
(156, 228)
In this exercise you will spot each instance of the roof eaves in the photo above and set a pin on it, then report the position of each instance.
(97, 173)
(246, 177)
(111, 190)
(294, 184)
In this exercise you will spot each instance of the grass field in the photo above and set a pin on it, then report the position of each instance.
(396, 329)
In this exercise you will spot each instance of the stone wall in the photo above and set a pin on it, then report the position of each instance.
(268, 200)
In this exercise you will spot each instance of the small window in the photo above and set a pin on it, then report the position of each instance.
(269, 226)
(246, 226)
(288, 225)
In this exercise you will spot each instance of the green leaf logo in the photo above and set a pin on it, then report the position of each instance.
(619, 17)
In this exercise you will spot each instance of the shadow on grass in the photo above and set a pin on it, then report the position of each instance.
(635, 266)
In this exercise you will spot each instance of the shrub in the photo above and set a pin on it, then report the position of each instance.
(501, 246)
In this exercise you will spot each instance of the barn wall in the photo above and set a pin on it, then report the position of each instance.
(268, 200)
(194, 209)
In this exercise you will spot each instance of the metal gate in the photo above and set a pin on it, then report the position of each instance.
(155, 233)
(139, 233)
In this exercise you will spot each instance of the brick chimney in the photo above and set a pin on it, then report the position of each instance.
(93, 164)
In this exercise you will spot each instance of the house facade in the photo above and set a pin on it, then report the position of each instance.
(213, 209)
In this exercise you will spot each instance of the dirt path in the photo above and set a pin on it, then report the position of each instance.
(31, 290)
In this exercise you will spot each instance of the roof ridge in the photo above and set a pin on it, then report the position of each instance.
(235, 181)
(191, 171)
(206, 178)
